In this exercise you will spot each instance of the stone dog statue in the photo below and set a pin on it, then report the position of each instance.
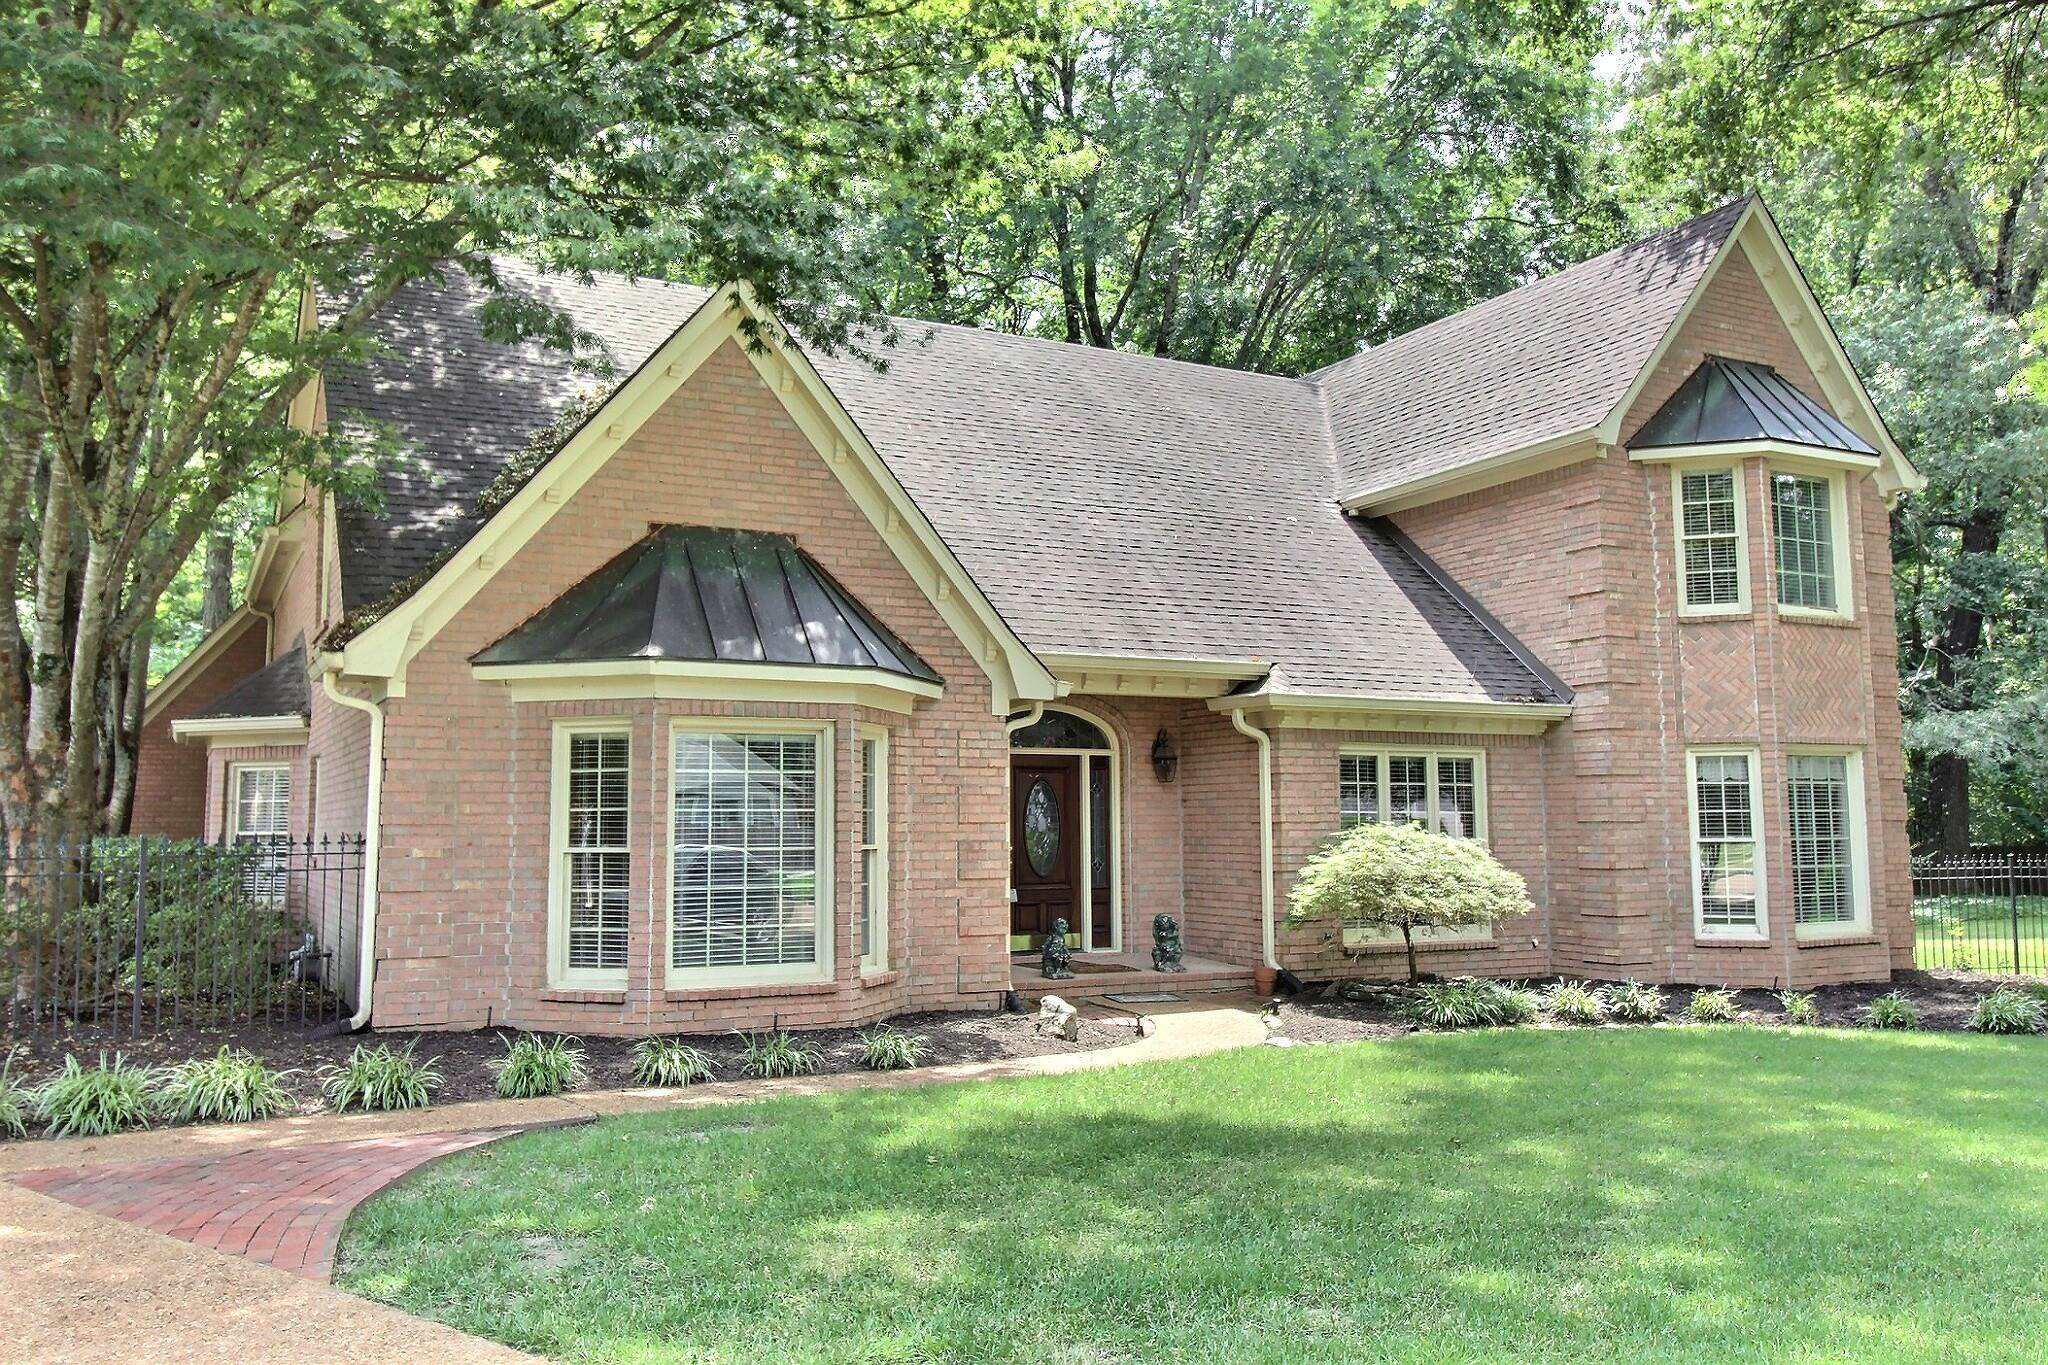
(1056, 959)
(1166, 945)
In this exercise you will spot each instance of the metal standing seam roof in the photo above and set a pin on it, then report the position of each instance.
(279, 688)
(1736, 400)
(714, 596)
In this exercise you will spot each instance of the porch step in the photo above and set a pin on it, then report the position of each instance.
(1202, 977)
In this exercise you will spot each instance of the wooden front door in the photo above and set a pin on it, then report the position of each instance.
(1045, 844)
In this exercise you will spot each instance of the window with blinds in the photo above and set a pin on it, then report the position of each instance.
(1440, 791)
(260, 820)
(1823, 812)
(1802, 515)
(597, 862)
(1728, 888)
(874, 854)
(1710, 538)
(746, 899)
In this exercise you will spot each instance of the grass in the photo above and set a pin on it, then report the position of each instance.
(1985, 944)
(1645, 1195)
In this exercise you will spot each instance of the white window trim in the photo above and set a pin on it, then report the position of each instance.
(560, 974)
(1379, 753)
(1700, 927)
(877, 957)
(232, 825)
(688, 978)
(1742, 604)
(1859, 847)
(1838, 517)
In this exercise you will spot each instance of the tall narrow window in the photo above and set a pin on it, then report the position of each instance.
(874, 850)
(593, 859)
(1802, 518)
(1408, 788)
(1820, 797)
(746, 896)
(1710, 539)
(1358, 789)
(1457, 798)
(1728, 883)
(259, 819)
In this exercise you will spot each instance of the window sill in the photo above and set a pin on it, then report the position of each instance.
(1731, 941)
(1714, 616)
(584, 995)
(1807, 617)
(1461, 945)
(887, 976)
(1854, 939)
(743, 992)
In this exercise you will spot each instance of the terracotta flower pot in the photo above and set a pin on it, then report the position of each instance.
(1263, 979)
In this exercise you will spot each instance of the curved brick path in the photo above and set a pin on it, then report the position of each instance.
(283, 1208)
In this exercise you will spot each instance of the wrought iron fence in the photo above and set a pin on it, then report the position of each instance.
(135, 935)
(1982, 912)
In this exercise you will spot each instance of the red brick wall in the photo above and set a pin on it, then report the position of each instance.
(1581, 563)
(170, 778)
(464, 886)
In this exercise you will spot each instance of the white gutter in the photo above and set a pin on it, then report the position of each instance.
(366, 931)
(1265, 743)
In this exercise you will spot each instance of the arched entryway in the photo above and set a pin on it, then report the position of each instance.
(1065, 830)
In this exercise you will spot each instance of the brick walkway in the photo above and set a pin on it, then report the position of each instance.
(283, 1208)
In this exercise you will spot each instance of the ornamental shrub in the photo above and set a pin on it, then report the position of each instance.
(1404, 877)
(1714, 1005)
(1633, 1002)
(1574, 1002)
(84, 1101)
(380, 1078)
(2006, 1010)
(1800, 1007)
(669, 1062)
(1470, 1002)
(232, 1086)
(534, 1066)
(1895, 1010)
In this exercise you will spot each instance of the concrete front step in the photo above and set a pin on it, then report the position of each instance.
(1202, 977)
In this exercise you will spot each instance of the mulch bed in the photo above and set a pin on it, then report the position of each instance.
(1323, 1014)
(463, 1059)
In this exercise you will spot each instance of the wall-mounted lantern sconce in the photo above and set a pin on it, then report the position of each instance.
(1165, 758)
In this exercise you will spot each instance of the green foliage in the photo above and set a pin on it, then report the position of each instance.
(2006, 1010)
(232, 1086)
(1470, 1002)
(17, 1101)
(1404, 877)
(1574, 1002)
(1715, 1005)
(92, 1101)
(1633, 1002)
(885, 1049)
(773, 1054)
(1893, 1011)
(380, 1078)
(669, 1062)
(1800, 1007)
(533, 1066)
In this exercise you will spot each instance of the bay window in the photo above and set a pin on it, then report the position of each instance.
(590, 872)
(1810, 539)
(1824, 799)
(1713, 556)
(1727, 862)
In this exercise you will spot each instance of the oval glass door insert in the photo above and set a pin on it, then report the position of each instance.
(1041, 827)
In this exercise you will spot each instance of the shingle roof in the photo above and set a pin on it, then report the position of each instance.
(278, 688)
(1104, 502)
(1735, 400)
(709, 595)
(1546, 360)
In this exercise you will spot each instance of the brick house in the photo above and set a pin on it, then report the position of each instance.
(790, 688)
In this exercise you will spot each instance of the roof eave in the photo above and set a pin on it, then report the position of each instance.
(1519, 462)
(1357, 711)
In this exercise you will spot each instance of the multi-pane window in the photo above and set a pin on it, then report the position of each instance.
(1710, 537)
(1724, 795)
(260, 819)
(1823, 845)
(745, 897)
(874, 852)
(596, 862)
(1802, 516)
(1445, 792)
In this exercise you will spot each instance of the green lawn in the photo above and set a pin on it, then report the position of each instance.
(1696, 1194)
(1986, 941)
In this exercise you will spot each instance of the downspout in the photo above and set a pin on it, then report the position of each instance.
(1265, 743)
(366, 935)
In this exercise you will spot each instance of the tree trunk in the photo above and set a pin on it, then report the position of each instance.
(218, 598)
(1414, 968)
(1962, 639)
(1948, 802)
(126, 748)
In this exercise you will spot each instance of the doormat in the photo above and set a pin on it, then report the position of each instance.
(1144, 998)
(1083, 967)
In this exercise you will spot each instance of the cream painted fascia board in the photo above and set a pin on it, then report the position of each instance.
(384, 648)
(1014, 672)
(689, 680)
(1151, 675)
(196, 661)
(1552, 452)
(227, 732)
(1778, 452)
(1306, 711)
